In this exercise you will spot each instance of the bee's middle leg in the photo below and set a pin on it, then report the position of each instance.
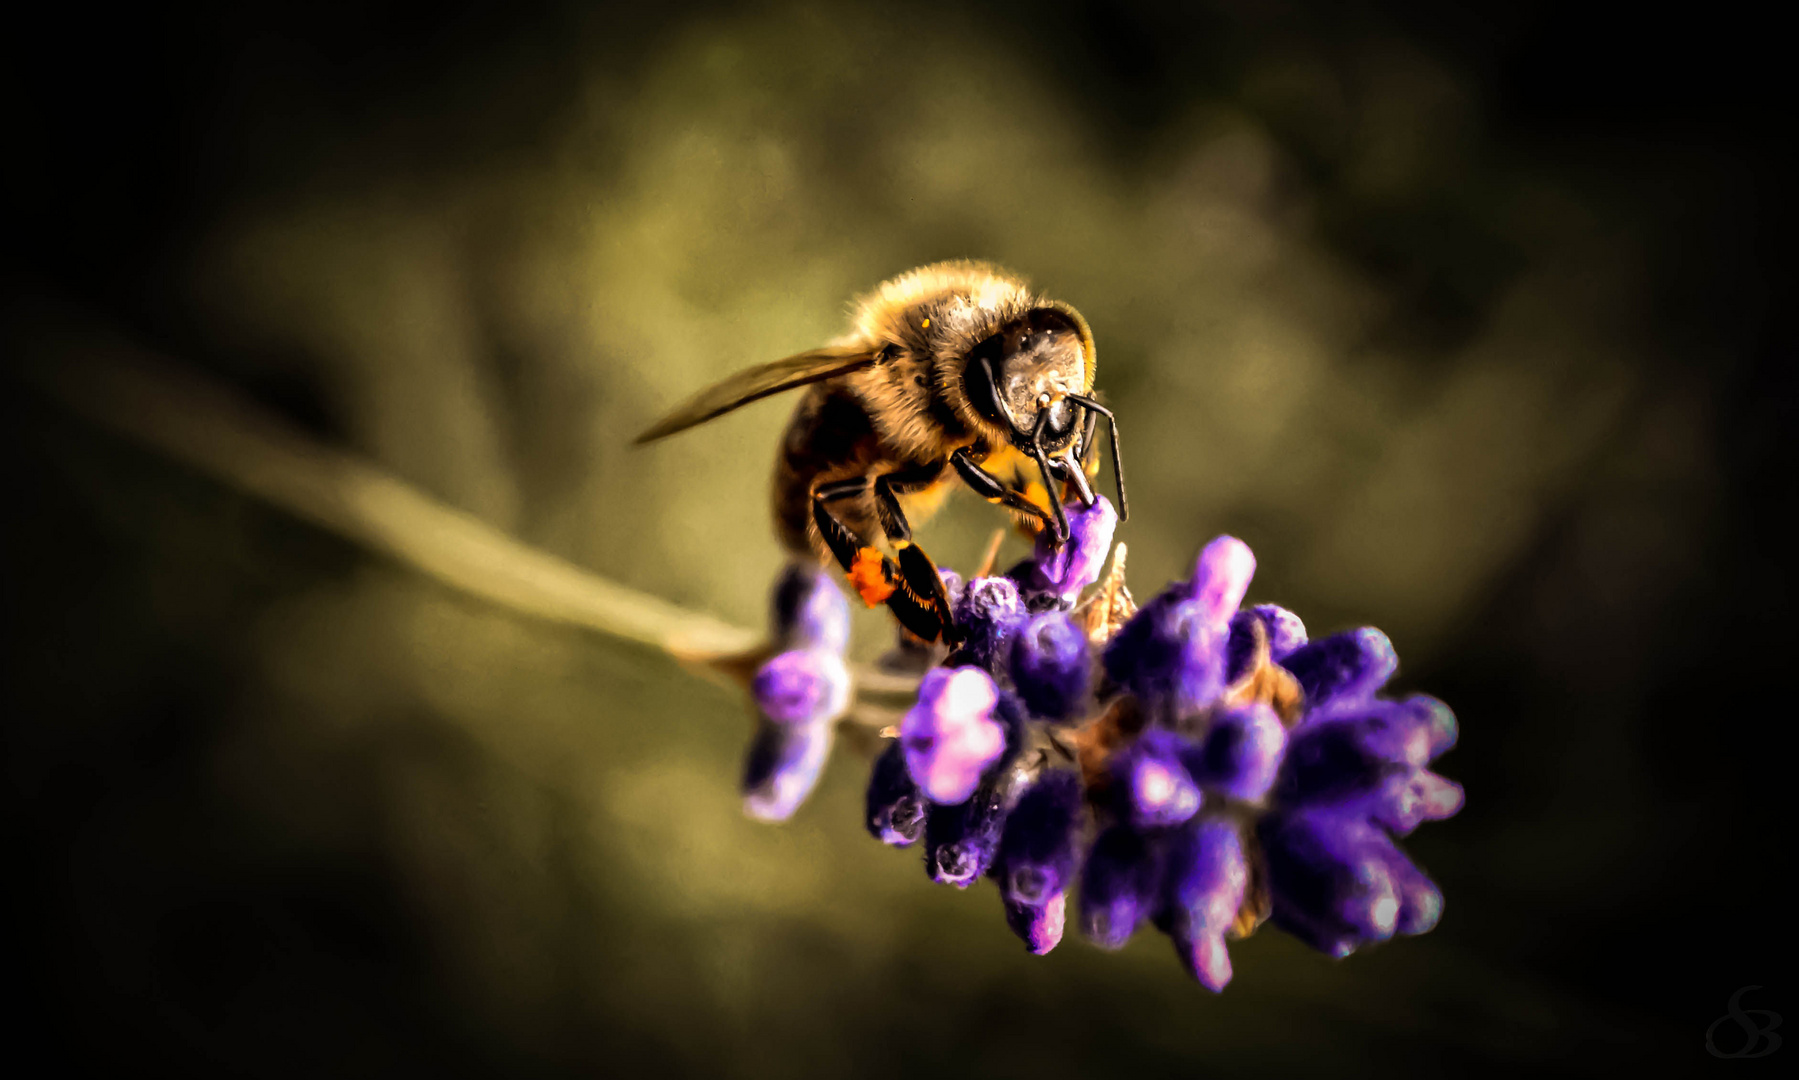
(844, 542)
(911, 588)
(920, 602)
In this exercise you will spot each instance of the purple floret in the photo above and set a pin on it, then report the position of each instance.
(1039, 853)
(782, 767)
(1420, 901)
(1330, 880)
(1241, 753)
(989, 611)
(952, 586)
(1220, 578)
(1051, 666)
(1371, 760)
(809, 611)
(1039, 925)
(895, 806)
(1406, 800)
(1342, 669)
(1153, 786)
(950, 736)
(1207, 875)
(802, 686)
(1281, 627)
(1062, 572)
(1174, 653)
(1436, 720)
(1121, 886)
(1169, 656)
(961, 841)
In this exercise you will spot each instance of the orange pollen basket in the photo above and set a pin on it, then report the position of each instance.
(869, 576)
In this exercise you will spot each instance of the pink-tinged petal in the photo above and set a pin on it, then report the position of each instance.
(1206, 959)
(1040, 926)
(1439, 797)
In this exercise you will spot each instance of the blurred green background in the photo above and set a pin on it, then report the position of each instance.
(1461, 319)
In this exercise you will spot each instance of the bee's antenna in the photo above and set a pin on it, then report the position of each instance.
(1049, 482)
(1124, 506)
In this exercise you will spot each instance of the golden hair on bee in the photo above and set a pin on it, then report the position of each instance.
(956, 370)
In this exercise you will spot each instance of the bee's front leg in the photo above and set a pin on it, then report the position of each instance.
(991, 488)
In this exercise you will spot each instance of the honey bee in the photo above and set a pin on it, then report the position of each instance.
(953, 370)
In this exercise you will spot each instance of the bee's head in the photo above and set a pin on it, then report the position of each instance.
(1035, 361)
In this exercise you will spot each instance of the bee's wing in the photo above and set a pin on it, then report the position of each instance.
(758, 382)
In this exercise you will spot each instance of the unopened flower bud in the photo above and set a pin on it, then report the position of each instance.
(1207, 875)
(1329, 878)
(1279, 627)
(782, 767)
(1221, 577)
(1120, 886)
(1155, 789)
(1170, 656)
(809, 610)
(1039, 852)
(1051, 668)
(802, 686)
(895, 806)
(1241, 753)
(989, 611)
(1342, 669)
(961, 841)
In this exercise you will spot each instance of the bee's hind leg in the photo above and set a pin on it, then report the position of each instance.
(910, 588)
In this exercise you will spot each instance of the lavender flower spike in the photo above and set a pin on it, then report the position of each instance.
(950, 736)
(1063, 572)
(783, 766)
(1200, 761)
(802, 686)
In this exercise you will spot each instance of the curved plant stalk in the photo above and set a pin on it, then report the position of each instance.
(132, 392)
